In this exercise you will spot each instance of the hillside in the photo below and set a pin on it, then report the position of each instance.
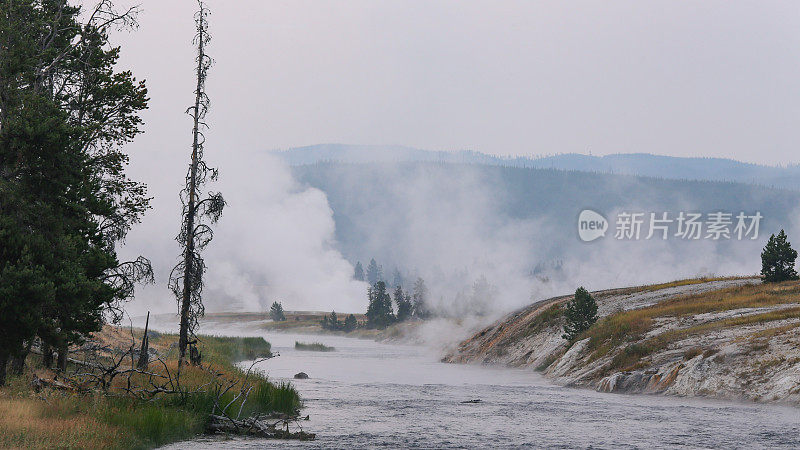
(402, 203)
(640, 164)
(726, 338)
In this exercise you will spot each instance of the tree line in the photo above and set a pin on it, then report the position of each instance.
(384, 309)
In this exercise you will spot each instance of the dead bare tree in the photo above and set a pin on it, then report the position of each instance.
(113, 371)
(144, 357)
(186, 279)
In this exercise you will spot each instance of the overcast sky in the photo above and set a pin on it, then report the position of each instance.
(682, 78)
(711, 78)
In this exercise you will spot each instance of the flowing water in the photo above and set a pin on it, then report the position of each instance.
(368, 394)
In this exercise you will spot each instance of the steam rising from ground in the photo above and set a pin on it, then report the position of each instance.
(276, 241)
(452, 228)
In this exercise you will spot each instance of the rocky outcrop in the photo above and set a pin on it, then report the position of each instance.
(749, 359)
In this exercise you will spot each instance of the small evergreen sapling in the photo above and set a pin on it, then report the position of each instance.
(581, 313)
(350, 323)
(276, 312)
(777, 260)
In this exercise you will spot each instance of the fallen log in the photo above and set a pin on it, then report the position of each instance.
(41, 383)
(263, 427)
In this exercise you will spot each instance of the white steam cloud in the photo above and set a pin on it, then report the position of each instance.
(274, 242)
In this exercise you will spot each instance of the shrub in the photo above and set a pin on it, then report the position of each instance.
(276, 312)
(777, 260)
(581, 314)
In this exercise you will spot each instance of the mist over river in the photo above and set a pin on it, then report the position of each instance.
(368, 394)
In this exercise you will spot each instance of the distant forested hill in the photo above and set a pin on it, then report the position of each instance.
(643, 164)
(383, 208)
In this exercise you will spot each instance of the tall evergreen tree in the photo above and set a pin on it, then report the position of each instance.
(397, 278)
(419, 298)
(374, 272)
(186, 279)
(379, 310)
(403, 303)
(581, 313)
(778, 259)
(359, 272)
(331, 322)
(350, 323)
(65, 200)
(276, 312)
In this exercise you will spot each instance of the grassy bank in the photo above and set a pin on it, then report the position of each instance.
(313, 347)
(627, 329)
(72, 419)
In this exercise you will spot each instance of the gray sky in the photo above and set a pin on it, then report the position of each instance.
(708, 78)
(711, 78)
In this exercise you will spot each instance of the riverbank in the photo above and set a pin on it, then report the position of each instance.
(370, 394)
(726, 338)
(71, 414)
(310, 323)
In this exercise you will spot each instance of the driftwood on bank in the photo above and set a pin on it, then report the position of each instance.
(269, 427)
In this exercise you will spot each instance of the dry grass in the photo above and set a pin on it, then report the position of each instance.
(775, 331)
(313, 347)
(55, 419)
(687, 282)
(692, 352)
(305, 320)
(618, 330)
(27, 423)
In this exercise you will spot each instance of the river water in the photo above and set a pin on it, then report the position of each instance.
(371, 395)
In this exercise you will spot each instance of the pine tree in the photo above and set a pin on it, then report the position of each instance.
(276, 312)
(65, 200)
(331, 322)
(374, 272)
(420, 307)
(379, 311)
(778, 259)
(403, 303)
(359, 272)
(397, 278)
(581, 313)
(350, 323)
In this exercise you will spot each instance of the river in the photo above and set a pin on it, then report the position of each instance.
(368, 394)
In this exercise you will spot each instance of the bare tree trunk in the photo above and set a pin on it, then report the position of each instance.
(3, 363)
(144, 358)
(18, 361)
(63, 352)
(47, 355)
(188, 278)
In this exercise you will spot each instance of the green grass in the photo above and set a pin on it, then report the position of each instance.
(227, 349)
(313, 347)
